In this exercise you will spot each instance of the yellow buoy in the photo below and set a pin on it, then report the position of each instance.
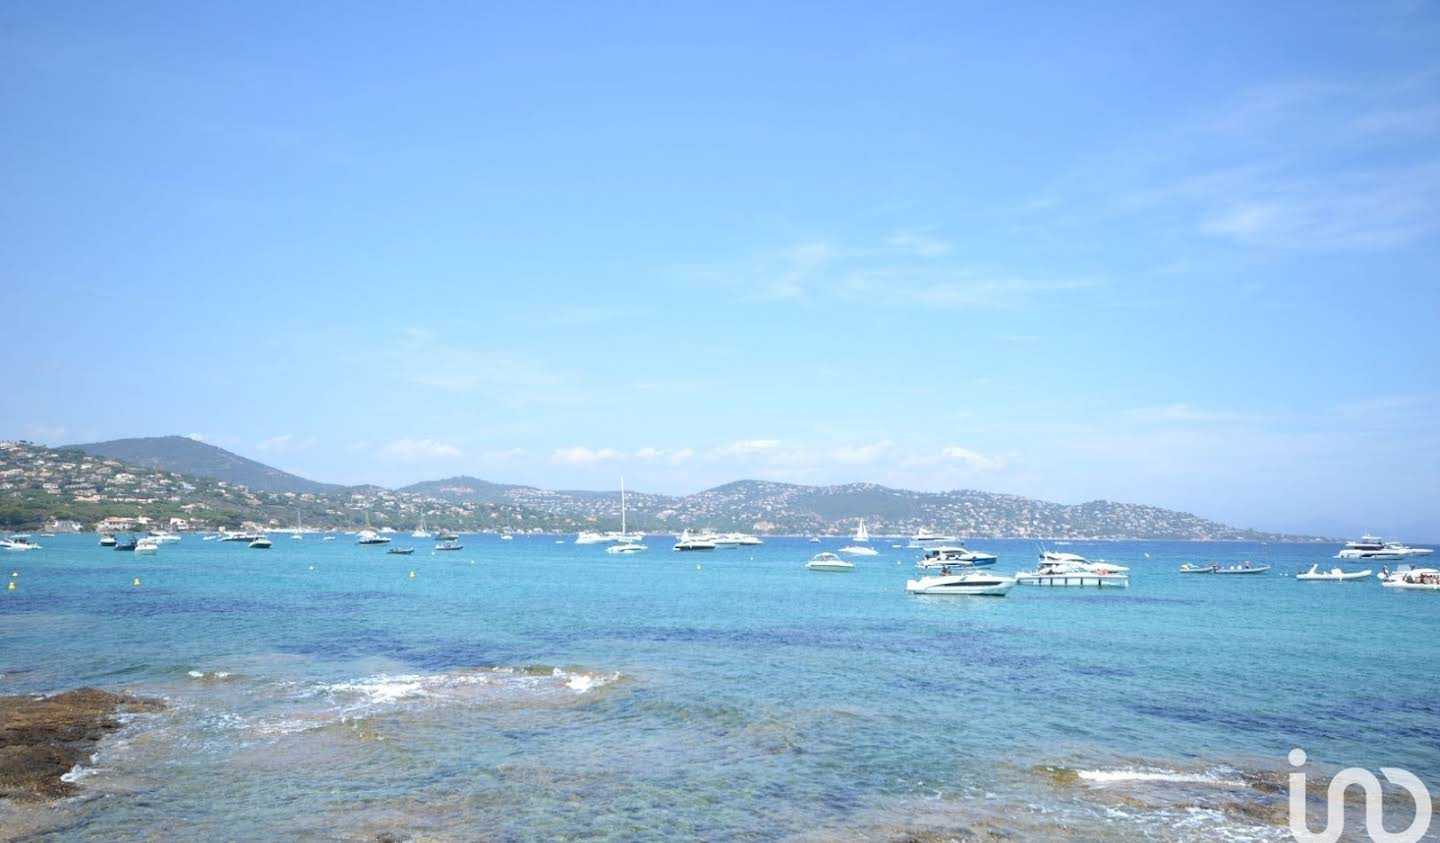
(12, 586)
(137, 581)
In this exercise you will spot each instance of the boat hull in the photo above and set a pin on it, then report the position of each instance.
(961, 586)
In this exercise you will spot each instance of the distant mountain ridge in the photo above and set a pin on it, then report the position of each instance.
(752, 505)
(184, 455)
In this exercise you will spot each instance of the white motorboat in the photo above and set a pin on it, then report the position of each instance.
(369, 536)
(507, 537)
(420, 531)
(814, 539)
(860, 550)
(1332, 575)
(687, 542)
(1060, 573)
(449, 544)
(237, 536)
(925, 538)
(969, 582)
(164, 536)
(1061, 556)
(107, 540)
(146, 546)
(748, 540)
(328, 539)
(18, 544)
(260, 543)
(1099, 566)
(627, 547)
(1369, 547)
(948, 555)
(829, 562)
(1412, 578)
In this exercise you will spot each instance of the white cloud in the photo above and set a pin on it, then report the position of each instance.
(198, 437)
(748, 447)
(974, 459)
(673, 456)
(414, 450)
(861, 453)
(580, 455)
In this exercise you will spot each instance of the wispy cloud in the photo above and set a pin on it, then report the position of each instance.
(416, 450)
(1180, 412)
(918, 244)
(581, 455)
(283, 443)
(973, 459)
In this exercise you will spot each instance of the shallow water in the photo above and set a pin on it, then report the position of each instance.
(534, 690)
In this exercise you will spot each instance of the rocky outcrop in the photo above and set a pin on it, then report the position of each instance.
(43, 738)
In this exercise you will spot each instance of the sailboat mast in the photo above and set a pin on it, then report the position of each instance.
(623, 531)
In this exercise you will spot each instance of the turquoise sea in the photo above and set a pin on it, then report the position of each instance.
(536, 689)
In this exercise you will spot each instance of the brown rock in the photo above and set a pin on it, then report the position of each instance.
(43, 738)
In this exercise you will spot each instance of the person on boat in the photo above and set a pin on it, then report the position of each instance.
(944, 570)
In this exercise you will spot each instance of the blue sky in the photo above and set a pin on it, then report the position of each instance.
(1176, 256)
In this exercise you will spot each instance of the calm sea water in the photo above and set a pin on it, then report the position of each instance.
(539, 690)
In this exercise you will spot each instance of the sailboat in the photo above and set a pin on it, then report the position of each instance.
(298, 534)
(625, 543)
(861, 534)
(421, 532)
(369, 536)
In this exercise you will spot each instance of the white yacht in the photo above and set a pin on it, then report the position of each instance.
(969, 582)
(1370, 547)
(107, 540)
(260, 543)
(164, 536)
(688, 542)
(1099, 566)
(829, 562)
(590, 537)
(369, 536)
(420, 531)
(725, 541)
(945, 555)
(924, 538)
(748, 540)
(860, 550)
(237, 536)
(146, 546)
(1069, 573)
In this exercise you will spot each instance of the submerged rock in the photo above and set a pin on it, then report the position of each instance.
(43, 738)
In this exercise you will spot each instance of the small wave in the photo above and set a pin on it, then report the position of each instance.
(1133, 775)
(582, 683)
(78, 773)
(214, 674)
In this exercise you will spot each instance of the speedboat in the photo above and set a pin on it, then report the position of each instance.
(260, 543)
(1410, 577)
(829, 562)
(860, 550)
(107, 540)
(237, 536)
(1332, 575)
(970, 582)
(328, 539)
(627, 547)
(451, 544)
(939, 557)
(688, 542)
(1187, 568)
(400, 551)
(371, 537)
(18, 544)
(129, 544)
(146, 546)
(1099, 566)
(507, 537)
(1243, 568)
(1052, 572)
(814, 539)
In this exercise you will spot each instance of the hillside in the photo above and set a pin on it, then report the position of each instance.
(184, 455)
(38, 483)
